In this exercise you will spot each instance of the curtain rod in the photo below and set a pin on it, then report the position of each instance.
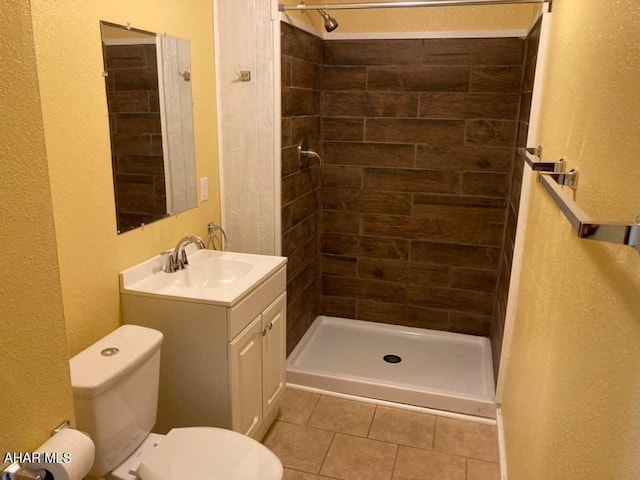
(418, 3)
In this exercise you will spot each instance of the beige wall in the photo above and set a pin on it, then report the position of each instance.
(494, 17)
(36, 395)
(74, 110)
(572, 388)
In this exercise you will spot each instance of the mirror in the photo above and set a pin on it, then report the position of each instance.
(148, 85)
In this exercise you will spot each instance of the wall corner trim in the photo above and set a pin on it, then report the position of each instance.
(502, 451)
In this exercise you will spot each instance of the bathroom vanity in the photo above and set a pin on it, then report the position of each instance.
(224, 324)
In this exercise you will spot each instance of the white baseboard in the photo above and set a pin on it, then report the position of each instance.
(501, 446)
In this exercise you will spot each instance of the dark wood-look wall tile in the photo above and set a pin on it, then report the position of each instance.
(339, 265)
(473, 51)
(473, 231)
(523, 134)
(338, 307)
(469, 323)
(387, 270)
(370, 104)
(402, 314)
(138, 123)
(300, 314)
(123, 144)
(341, 176)
(472, 279)
(297, 285)
(469, 105)
(285, 71)
(300, 184)
(418, 78)
(344, 78)
(305, 127)
(305, 74)
(295, 237)
(289, 161)
(298, 102)
(286, 217)
(371, 52)
(341, 128)
(366, 201)
(304, 206)
(286, 132)
(529, 76)
(490, 159)
(485, 184)
(460, 208)
(141, 164)
(525, 107)
(491, 133)
(343, 222)
(454, 255)
(406, 180)
(300, 44)
(428, 274)
(370, 154)
(125, 56)
(302, 256)
(362, 289)
(496, 79)
(361, 246)
(451, 299)
(129, 102)
(135, 79)
(435, 132)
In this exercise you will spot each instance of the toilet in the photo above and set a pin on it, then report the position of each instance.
(115, 390)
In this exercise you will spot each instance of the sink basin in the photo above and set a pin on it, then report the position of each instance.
(220, 278)
(209, 273)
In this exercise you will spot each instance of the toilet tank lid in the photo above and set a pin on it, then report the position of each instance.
(99, 366)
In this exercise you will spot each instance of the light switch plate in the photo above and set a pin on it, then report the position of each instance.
(204, 189)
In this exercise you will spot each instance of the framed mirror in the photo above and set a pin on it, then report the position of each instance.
(148, 85)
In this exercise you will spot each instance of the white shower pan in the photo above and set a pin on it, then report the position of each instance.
(439, 370)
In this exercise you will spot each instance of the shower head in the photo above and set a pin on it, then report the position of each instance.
(330, 23)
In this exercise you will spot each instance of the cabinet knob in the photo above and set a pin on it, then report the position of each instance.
(264, 331)
(270, 325)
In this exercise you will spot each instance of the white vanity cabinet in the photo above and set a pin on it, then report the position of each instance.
(221, 365)
(257, 369)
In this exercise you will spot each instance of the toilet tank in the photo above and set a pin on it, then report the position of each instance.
(115, 392)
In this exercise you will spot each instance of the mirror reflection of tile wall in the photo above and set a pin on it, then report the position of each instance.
(136, 136)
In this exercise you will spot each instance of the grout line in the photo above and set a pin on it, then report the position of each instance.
(313, 410)
(324, 459)
(375, 411)
(433, 439)
(395, 461)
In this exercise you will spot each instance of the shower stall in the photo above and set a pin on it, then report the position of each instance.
(400, 239)
(400, 234)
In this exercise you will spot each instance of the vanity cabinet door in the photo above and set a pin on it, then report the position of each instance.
(245, 365)
(274, 346)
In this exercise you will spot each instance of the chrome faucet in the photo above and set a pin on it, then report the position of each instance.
(177, 259)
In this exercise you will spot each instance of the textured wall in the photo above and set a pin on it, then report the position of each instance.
(506, 260)
(36, 393)
(69, 53)
(301, 67)
(571, 394)
(418, 143)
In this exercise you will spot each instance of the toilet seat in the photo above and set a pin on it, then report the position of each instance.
(207, 453)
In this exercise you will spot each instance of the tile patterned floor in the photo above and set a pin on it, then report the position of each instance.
(319, 437)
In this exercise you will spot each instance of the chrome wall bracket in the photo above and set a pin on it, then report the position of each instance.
(533, 158)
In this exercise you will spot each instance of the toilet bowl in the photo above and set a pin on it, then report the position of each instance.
(115, 387)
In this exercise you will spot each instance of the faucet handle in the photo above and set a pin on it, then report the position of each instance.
(170, 265)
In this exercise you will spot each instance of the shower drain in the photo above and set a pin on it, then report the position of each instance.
(391, 358)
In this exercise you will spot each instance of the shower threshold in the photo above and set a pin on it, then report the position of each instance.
(427, 368)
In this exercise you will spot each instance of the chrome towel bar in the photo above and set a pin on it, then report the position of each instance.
(611, 232)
